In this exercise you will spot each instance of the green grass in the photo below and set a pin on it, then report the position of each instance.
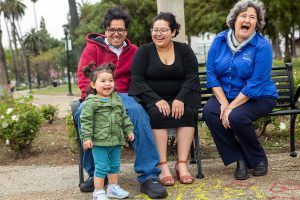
(59, 90)
(296, 68)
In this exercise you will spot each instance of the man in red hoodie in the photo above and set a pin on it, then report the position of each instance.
(113, 47)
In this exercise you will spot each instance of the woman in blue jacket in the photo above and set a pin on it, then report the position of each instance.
(239, 73)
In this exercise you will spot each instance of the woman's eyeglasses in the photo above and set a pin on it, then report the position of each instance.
(163, 31)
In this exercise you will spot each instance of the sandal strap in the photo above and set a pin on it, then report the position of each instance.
(162, 163)
(181, 161)
(186, 179)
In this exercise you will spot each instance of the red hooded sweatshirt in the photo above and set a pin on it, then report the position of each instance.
(98, 52)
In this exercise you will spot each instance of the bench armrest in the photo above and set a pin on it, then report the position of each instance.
(297, 94)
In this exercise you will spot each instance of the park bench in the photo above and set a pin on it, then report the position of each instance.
(286, 105)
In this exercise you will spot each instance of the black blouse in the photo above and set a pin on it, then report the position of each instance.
(152, 80)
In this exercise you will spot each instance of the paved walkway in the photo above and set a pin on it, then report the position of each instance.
(61, 182)
(63, 102)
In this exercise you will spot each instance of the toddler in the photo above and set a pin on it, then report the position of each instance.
(103, 124)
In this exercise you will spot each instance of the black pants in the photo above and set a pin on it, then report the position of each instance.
(240, 141)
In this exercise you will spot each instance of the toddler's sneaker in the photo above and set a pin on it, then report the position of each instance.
(115, 191)
(99, 194)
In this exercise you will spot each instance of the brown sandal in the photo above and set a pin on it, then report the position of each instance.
(167, 180)
(184, 179)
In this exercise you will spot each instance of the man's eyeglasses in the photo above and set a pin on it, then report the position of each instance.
(163, 31)
(114, 30)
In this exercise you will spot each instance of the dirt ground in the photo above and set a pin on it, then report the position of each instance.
(52, 147)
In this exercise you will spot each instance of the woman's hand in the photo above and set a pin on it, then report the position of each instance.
(87, 144)
(163, 107)
(177, 109)
(223, 108)
(130, 137)
(225, 118)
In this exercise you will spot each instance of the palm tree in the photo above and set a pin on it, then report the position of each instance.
(34, 1)
(13, 10)
(36, 26)
(31, 41)
(3, 68)
(74, 25)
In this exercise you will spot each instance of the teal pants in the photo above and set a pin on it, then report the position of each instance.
(107, 160)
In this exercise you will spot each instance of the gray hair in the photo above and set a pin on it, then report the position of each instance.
(242, 6)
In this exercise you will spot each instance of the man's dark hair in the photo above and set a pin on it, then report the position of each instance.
(116, 13)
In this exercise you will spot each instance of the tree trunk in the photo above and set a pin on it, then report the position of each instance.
(74, 25)
(3, 69)
(17, 69)
(14, 66)
(287, 54)
(177, 8)
(189, 40)
(38, 78)
(23, 58)
(276, 48)
(293, 45)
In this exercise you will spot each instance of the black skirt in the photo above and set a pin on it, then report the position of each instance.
(159, 121)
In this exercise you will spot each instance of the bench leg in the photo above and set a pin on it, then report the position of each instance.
(192, 151)
(198, 155)
(80, 157)
(292, 135)
(80, 154)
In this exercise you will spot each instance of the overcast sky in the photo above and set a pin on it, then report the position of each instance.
(54, 12)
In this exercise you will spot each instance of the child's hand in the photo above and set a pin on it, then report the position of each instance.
(87, 144)
(130, 137)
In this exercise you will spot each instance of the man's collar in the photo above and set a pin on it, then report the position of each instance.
(111, 46)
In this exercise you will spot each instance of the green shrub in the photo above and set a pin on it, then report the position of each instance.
(49, 112)
(19, 124)
(72, 134)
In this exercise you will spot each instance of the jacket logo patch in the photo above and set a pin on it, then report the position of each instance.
(247, 56)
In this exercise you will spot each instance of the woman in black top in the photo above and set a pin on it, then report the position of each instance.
(164, 79)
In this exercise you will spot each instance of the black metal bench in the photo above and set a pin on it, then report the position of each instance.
(287, 105)
(287, 102)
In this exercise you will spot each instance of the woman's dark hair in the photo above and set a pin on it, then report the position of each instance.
(92, 70)
(170, 18)
(116, 13)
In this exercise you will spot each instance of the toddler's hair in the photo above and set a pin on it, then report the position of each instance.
(92, 70)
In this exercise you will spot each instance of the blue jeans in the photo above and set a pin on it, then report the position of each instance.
(144, 146)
